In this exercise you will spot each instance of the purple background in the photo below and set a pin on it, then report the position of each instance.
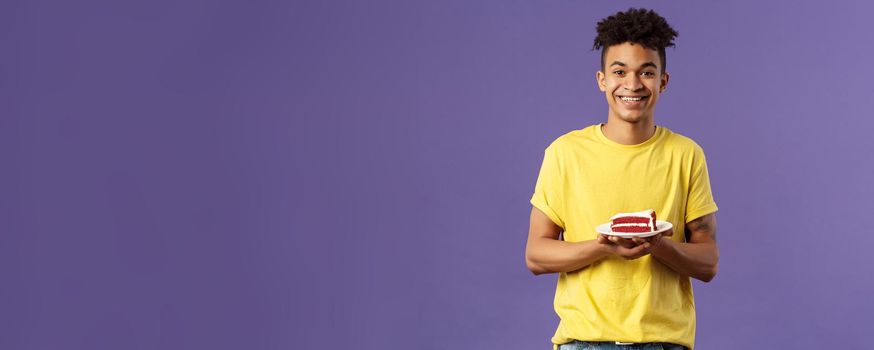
(275, 175)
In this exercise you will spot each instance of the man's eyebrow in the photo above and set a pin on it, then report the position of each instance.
(647, 64)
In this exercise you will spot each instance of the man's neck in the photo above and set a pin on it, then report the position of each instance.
(626, 133)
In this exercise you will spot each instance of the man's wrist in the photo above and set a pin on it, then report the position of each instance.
(602, 250)
(663, 246)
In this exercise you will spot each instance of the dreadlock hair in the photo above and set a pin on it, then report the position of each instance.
(638, 26)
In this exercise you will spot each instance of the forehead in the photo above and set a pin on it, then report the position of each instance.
(631, 54)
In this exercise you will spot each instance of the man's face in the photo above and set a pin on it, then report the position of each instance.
(632, 81)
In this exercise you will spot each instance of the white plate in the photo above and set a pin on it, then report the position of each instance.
(661, 226)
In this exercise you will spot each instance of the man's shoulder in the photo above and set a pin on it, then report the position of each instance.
(681, 143)
(572, 138)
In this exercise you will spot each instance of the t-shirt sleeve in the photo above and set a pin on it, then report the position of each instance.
(548, 189)
(700, 201)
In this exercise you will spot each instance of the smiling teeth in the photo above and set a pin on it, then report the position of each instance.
(631, 99)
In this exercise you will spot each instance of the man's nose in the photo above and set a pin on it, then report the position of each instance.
(632, 83)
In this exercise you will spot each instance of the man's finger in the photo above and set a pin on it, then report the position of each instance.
(638, 240)
(627, 243)
(635, 250)
(668, 233)
(639, 251)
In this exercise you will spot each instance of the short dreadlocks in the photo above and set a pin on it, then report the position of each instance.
(638, 26)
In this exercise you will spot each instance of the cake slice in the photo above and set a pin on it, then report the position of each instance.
(641, 221)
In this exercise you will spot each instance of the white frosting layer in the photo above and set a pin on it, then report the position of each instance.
(639, 214)
(627, 225)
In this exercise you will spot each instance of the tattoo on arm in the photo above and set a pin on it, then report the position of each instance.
(698, 224)
(704, 223)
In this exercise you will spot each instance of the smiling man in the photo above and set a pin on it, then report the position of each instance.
(617, 293)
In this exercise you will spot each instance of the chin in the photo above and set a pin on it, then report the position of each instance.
(634, 119)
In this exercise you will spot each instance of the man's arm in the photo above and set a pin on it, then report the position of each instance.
(545, 253)
(699, 257)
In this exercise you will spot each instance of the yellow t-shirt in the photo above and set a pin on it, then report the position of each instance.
(585, 179)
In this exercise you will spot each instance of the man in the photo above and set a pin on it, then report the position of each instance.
(617, 293)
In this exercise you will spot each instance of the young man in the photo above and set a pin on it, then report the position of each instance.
(614, 293)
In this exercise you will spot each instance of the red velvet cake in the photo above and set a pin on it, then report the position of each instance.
(642, 221)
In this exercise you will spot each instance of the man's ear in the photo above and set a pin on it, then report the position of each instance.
(665, 78)
(599, 77)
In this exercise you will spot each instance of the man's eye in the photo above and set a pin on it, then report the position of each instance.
(619, 72)
(648, 74)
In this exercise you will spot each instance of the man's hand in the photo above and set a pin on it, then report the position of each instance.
(632, 248)
(698, 257)
(624, 247)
